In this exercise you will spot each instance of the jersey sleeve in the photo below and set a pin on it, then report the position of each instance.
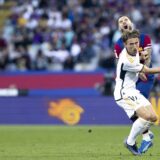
(118, 47)
(147, 42)
(117, 50)
(133, 67)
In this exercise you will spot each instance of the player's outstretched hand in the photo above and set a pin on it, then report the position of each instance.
(142, 76)
(144, 55)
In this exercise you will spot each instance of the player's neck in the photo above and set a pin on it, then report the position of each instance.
(131, 54)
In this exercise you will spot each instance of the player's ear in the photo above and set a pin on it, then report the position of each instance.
(125, 44)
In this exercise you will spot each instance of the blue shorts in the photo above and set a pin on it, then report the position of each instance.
(145, 86)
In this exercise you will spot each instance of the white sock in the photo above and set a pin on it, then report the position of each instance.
(138, 127)
(146, 136)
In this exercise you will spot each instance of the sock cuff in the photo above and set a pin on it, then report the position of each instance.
(146, 123)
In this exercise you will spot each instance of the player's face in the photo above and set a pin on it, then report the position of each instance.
(125, 24)
(132, 46)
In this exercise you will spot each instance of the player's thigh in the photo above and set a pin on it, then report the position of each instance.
(147, 113)
(144, 112)
(128, 106)
(132, 103)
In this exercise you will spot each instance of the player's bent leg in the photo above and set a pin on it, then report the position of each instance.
(146, 134)
(151, 117)
(146, 143)
(147, 113)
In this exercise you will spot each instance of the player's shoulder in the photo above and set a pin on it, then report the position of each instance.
(126, 58)
(145, 40)
(144, 36)
(118, 47)
(119, 41)
(123, 54)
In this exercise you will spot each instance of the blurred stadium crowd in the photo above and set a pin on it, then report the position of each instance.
(75, 35)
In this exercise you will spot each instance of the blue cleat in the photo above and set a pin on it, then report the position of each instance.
(133, 149)
(145, 145)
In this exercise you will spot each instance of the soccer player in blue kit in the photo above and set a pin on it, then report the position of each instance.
(145, 82)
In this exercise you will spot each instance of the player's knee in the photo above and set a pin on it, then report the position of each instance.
(146, 116)
(153, 118)
(149, 117)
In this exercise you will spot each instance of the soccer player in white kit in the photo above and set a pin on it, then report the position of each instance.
(145, 82)
(126, 95)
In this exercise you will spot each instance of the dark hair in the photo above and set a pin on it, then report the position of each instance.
(128, 35)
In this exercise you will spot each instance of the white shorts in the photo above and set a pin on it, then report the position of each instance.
(132, 101)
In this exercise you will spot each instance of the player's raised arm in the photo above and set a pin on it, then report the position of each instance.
(151, 70)
(146, 54)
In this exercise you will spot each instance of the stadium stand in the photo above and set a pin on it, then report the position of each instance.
(75, 35)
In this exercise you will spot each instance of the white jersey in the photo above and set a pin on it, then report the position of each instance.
(128, 68)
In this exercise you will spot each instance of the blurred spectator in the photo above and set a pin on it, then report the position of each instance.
(2, 2)
(40, 61)
(4, 59)
(73, 34)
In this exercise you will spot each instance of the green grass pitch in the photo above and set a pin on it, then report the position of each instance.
(70, 143)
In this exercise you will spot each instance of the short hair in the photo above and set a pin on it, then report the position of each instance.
(129, 35)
